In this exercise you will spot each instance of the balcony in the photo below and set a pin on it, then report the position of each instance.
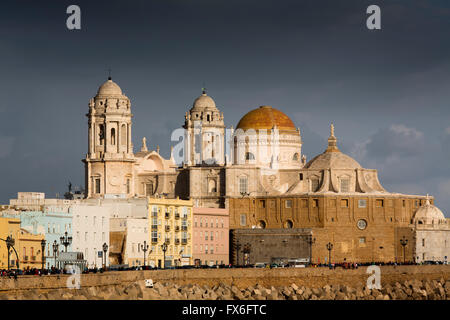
(177, 241)
(167, 240)
(177, 228)
(167, 228)
(33, 258)
(167, 215)
(25, 258)
(177, 215)
(183, 241)
(184, 228)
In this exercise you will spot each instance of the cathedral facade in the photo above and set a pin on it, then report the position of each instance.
(258, 172)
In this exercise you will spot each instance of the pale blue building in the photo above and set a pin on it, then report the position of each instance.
(53, 222)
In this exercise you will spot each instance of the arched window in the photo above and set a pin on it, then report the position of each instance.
(212, 185)
(123, 135)
(295, 157)
(101, 133)
(113, 136)
(288, 224)
(249, 156)
(261, 224)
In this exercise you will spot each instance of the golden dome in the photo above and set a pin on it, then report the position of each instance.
(265, 117)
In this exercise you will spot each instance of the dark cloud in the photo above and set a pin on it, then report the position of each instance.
(314, 60)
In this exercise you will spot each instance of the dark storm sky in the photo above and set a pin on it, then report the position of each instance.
(386, 91)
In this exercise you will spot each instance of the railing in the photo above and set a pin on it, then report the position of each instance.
(184, 228)
(167, 240)
(154, 240)
(184, 241)
(33, 258)
(177, 241)
(167, 215)
(177, 228)
(154, 226)
(177, 215)
(25, 258)
(167, 228)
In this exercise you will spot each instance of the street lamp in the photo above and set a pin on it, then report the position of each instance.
(65, 241)
(55, 250)
(9, 243)
(404, 242)
(144, 248)
(329, 248)
(310, 241)
(105, 249)
(164, 249)
(43, 253)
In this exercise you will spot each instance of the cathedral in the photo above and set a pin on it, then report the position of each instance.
(258, 172)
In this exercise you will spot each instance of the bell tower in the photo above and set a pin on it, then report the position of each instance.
(205, 132)
(110, 159)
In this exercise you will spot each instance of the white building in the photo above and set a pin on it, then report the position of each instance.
(131, 244)
(432, 234)
(90, 232)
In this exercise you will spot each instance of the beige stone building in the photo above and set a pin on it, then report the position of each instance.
(258, 173)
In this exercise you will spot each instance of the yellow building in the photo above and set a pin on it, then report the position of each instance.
(29, 249)
(170, 223)
(9, 227)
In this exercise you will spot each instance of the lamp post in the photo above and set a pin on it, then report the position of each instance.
(9, 243)
(65, 240)
(404, 242)
(55, 250)
(164, 249)
(105, 249)
(43, 253)
(329, 248)
(310, 241)
(144, 248)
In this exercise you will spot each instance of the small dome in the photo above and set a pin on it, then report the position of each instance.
(109, 88)
(265, 117)
(332, 160)
(428, 214)
(204, 102)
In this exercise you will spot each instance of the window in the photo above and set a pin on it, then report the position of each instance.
(404, 203)
(249, 156)
(345, 185)
(314, 185)
(195, 222)
(288, 203)
(262, 203)
(201, 222)
(301, 176)
(315, 203)
(97, 185)
(295, 157)
(85, 236)
(344, 203)
(304, 203)
(379, 203)
(212, 236)
(217, 223)
(362, 240)
(113, 136)
(154, 236)
(423, 242)
(243, 186)
(206, 235)
(221, 220)
(95, 219)
(362, 203)
(128, 185)
(243, 220)
(206, 248)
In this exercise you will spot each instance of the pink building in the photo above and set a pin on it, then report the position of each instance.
(210, 236)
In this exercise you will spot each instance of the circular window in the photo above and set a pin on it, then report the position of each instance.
(261, 224)
(288, 224)
(361, 224)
